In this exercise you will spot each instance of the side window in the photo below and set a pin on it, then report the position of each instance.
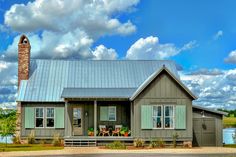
(50, 117)
(39, 114)
(157, 116)
(169, 116)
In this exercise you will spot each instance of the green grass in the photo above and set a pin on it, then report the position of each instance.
(229, 122)
(27, 147)
(230, 145)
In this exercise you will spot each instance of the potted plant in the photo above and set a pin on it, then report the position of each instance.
(124, 131)
(91, 131)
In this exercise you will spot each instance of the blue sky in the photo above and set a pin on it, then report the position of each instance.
(199, 35)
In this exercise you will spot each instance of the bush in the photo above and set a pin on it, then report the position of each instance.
(31, 138)
(116, 145)
(157, 143)
(161, 143)
(175, 137)
(139, 142)
(56, 140)
(42, 141)
(16, 139)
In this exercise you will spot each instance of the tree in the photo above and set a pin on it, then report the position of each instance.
(8, 126)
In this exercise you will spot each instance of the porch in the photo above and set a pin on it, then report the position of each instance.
(84, 118)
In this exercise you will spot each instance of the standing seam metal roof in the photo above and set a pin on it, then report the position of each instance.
(48, 78)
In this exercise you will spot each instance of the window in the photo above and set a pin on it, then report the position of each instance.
(157, 116)
(50, 117)
(107, 113)
(39, 117)
(169, 116)
(112, 113)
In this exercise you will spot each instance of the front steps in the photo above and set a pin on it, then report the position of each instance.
(80, 142)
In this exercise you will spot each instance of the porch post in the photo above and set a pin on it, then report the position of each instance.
(131, 117)
(95, 118)
(68, 124)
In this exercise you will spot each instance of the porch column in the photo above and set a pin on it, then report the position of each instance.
(95, 118)
(131, 118)
(68, 124)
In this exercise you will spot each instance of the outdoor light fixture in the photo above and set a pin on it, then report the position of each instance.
(86, 113)
(203, 114)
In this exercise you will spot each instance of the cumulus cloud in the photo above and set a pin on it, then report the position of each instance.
(218, 35)
(150, 48)
(214, 89)
(66, 29)
(231, 58)
(101, 52)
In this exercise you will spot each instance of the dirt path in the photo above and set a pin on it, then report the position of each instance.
(96, 150)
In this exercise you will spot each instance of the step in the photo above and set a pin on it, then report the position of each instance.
(80, 142)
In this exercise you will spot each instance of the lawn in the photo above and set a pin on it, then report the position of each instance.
(230, 145)
(229, 122)
(27, 147)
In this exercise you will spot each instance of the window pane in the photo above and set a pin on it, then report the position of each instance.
(157, 122)
(50, 122)
(159, 111)
(112, 113)
(167, 111)
(167, 122)
(39, 122)
(156, 110)
(112, 117)
(50, 112)
(39, 112)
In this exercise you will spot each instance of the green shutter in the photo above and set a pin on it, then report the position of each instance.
(103, 113)
(180, 117)
(146, 117)
(29, 117)
(59, 117)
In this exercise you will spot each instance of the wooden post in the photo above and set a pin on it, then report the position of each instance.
(95, 118)
(131, 118)
(68, 124)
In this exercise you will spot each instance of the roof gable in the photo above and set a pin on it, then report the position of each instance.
(153, 76)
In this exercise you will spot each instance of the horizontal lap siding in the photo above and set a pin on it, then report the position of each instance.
(162, 91)
(40, 132)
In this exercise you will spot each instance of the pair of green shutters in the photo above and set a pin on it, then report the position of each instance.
(30, 117)
(147, 120)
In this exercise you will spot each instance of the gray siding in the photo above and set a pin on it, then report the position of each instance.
(163, 90)
(40, 132)
(218, 123)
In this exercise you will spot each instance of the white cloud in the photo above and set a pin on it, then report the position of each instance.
(150, 48)
(101, 52)
(213, 89)
(68, 28)
(231, 58)
(218, 35)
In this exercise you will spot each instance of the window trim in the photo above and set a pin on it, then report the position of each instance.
(38, 117)
(49, 117)
(158, 116)
(164, 116)
(109, 107)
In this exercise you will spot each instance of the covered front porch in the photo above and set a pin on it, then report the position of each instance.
(97, 119)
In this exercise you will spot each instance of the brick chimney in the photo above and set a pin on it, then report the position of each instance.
(23, 59)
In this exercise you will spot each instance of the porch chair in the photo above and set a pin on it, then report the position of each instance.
(117, 130)
(103, 130)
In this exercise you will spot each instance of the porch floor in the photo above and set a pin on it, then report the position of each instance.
(101, 138)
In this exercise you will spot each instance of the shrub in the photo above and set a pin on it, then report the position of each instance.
(42, 141)
(161, 143)
(139, 142)
(116, 145)
(153, 143)
(31, 138)
(157, 143)
(175, 137)
(56, 140)
(16, 139)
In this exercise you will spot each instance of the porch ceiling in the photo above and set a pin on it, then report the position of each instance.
(97, 92)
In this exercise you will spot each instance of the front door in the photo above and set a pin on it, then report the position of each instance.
(77, 121)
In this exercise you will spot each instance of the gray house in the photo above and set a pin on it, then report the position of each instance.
(147, 98)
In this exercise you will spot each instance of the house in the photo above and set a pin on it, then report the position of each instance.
(69, 97)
